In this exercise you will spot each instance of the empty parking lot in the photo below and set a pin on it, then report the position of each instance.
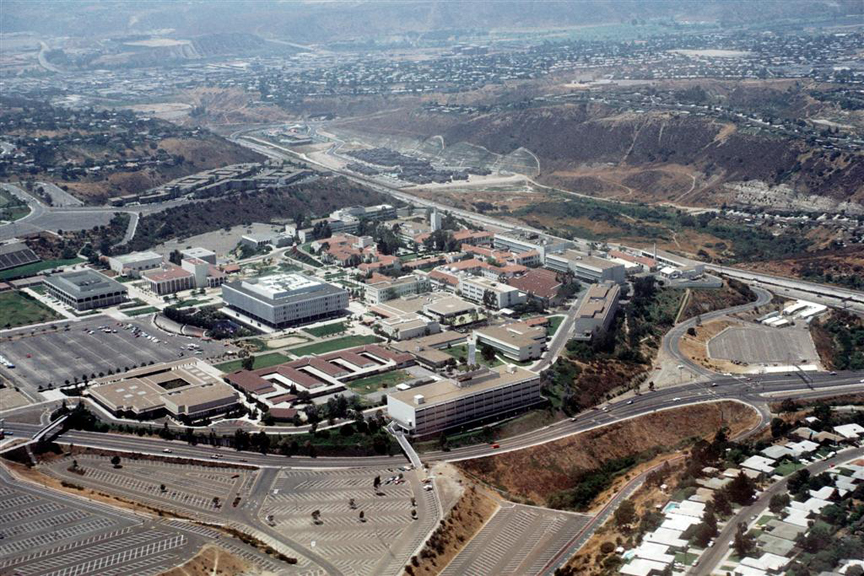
(51, 357)
(518, 540)
(380, 545)
(763, 345)
(46, 533)
(194, 489)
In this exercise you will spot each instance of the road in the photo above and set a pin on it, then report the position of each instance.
(245, 138)
(756, 394)
(714, 555)
(672, 338)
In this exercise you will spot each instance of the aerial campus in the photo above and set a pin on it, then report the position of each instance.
(334, 290)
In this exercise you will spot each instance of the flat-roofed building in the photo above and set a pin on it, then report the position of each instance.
(502, 295)
(409, 285)
(448, 308)
(200, 253)
(85, 289)
(135, 263)
(596, 311)
(436, 407)
(169, 278)
(586, 267)
(282, 300)
(517, 341)
(188, 389)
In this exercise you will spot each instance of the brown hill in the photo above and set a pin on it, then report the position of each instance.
(649, 156)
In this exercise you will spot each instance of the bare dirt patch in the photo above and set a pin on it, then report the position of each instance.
(212, 560)
(696, 347)
(536, 473)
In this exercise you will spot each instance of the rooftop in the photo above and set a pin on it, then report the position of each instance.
(84, 283)
(137, 256)
(446, 390)
(517, 334)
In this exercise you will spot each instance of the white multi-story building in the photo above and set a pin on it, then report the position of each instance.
(398, 288)
(586, 267)
(135, 263)
(436, 407)
(503, 296)
(282, 300)
(516, 341)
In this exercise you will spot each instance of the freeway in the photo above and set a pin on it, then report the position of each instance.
(756, 394)
(673, 337)
(712, 556)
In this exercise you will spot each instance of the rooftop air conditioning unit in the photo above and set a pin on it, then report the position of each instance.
(419, 399)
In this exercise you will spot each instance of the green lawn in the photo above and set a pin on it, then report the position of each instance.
(788, 467)
(262, 361)
(326, 330)
(11, 207)
(462, 351)
(554, 323)
(35, 268)
(140, 311)
(19, 309)
(187, 303)
(332, 345)
(378, 381)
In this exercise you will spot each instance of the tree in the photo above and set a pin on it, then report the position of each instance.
(316, 516)
(778, 503)
(115, 461)
(487, 352)
(625, 514)
(377, 484)
(743, 542)
(362, 516)
(162, 487)
(779, 427)
(351, 504)
(215, 502)
(741, 489)
(721, 503)
(248, 363)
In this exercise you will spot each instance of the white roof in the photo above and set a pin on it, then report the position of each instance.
(776, 451)
(849, 430)
(803, 447)
(679, 522)
(768, 561)
(823, 493)
(846, 564)
(642, 567)
(759, 463)
(655, 552)
(744, 570)
(666, 536)
(691, 508)
(797, 517)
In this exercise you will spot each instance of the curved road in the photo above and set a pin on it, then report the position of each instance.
(672, 338)
(756, 394)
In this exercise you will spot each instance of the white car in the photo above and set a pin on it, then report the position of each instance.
(167, 451)
(676, 399)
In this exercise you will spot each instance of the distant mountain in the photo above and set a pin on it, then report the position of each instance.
(318, 22)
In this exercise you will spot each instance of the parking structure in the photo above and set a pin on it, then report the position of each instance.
(51, 534)
(90, 347)
(382, 544)
(518, 540)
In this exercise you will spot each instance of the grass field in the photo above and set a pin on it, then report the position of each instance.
(35, 268)
(19, 309)
(326, 330)
(140, 311)
(554, 323)
(378, 381)
(462, 351)
(262, 361)
(11, 207)
(332, 345)
(788, 467)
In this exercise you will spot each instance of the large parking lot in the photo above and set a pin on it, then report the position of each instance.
(382, 544)
(754, 344)
(517, 540)
(202, 491)
(55, 535)
(50, 358)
